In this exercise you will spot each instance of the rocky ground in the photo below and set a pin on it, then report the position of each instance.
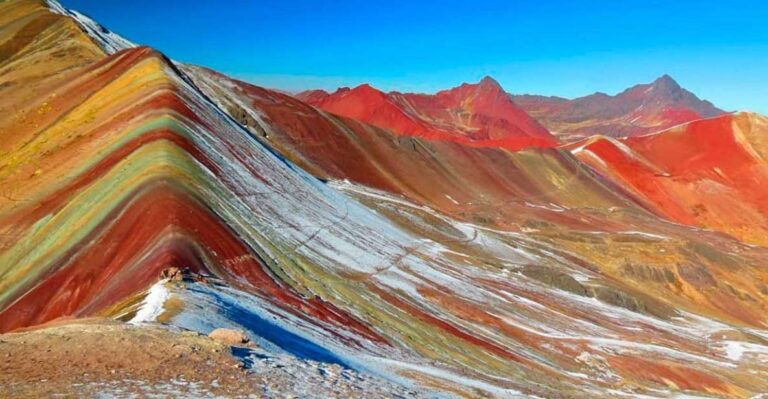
(98, 358)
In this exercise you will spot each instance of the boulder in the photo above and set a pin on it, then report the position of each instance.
(229, 336)
(172, 274)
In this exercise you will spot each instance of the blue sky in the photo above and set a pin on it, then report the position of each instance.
(716, 49)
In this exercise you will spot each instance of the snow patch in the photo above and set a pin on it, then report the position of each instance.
(109, 41)
(153, 305)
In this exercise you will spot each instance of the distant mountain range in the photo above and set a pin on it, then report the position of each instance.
(480, 114)
(641, 109)
(485, 114)
(665, 178)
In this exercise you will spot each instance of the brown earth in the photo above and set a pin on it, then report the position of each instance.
(103, 358)
(67, 360)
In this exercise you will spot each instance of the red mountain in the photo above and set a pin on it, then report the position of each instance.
(711, 173)
(468, 182)
(480, 114)
(641, 109)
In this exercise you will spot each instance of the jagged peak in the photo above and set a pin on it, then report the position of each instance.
(488, 84)
(367, 90)
(665, 78)
(364, 86)
(489, 81)
(667, 82)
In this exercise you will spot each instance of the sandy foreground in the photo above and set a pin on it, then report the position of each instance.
(106, 359)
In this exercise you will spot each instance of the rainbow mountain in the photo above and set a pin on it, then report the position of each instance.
(453, 263)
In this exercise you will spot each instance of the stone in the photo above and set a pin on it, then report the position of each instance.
(172, 274)
(229, 336)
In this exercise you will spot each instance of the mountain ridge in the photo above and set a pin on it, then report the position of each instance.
(640, 109)
(636, 110)
(479, 114)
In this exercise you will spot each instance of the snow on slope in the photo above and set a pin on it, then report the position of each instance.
(109, 41)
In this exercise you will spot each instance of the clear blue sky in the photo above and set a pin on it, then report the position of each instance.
(717, 49)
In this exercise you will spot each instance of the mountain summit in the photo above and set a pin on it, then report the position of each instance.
(641, 109)
(489, 83)
(479, 114)
(666, 81)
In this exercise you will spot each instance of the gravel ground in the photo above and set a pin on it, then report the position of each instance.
(105, 359)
